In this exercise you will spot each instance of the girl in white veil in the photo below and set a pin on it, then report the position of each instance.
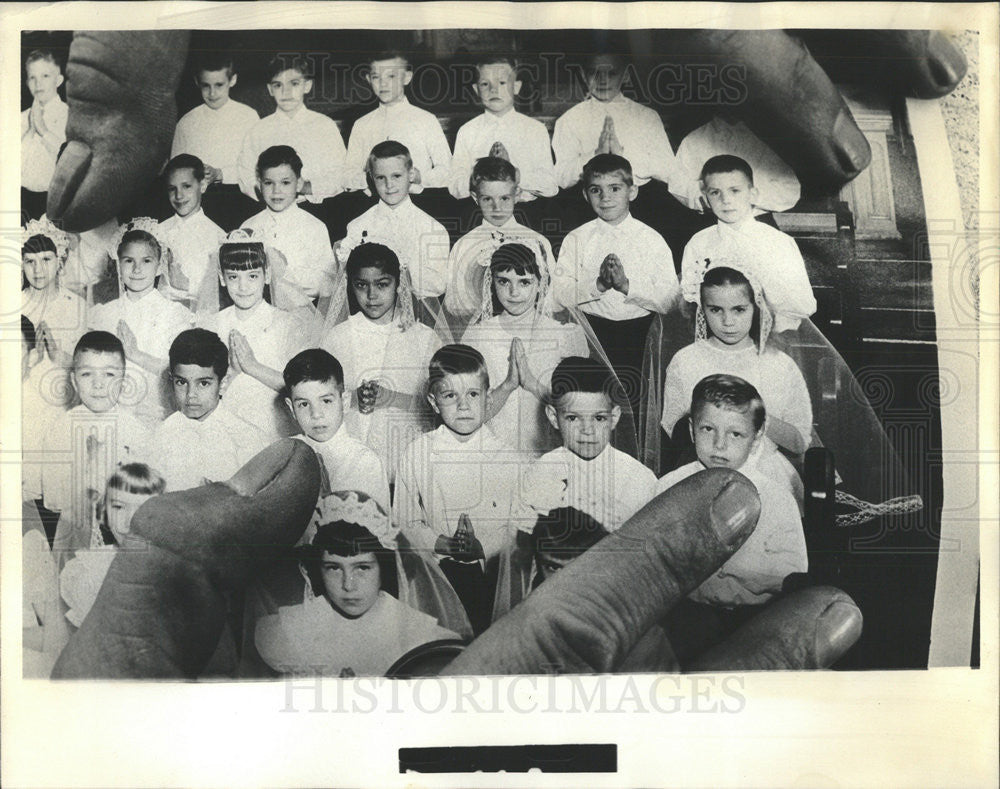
(384, 351)
(267, 321)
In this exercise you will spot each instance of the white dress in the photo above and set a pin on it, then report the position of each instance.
(398, 359)
(522, 423)
(314, 638)
(275, 337)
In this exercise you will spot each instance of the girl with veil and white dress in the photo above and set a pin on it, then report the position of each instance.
(384, 351)
(268, 320)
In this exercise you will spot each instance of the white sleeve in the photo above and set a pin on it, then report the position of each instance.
(326, 173)
(439, 153)
(676, 401)
(459, 297)
(461, 164)
(407, 508)
(246, 164)
(787, 286)
(655, 159)
(181, 143)
(567, 289)
(537, 173)
(686, 171)
(652, 280)
(568, 148)
(435, 247)
(354, 160)
(796, 405)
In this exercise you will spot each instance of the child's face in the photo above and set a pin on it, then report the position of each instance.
(119, 507)
(729, 311)
(289, 89)
(585, 421)
(40, 268)
(196, 390)
(460, 400)
(723, 437)
(279, 187)
(185, 191)
(352, 583)
(497, 87)
(496, 200)
(388, 78)
(609, 196)
(318, 408)
(392, 179)
(604, 78)
(246, 288)
(375, 291)
(139, 263)
(43, 79)
(730, 195)
(98, 377)
(214, 87)
(517, 293)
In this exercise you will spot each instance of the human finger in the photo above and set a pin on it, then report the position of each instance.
(808, 629)
(783, 95)
(921, 63)
(161, 609)
(120, 88)
(589, 616)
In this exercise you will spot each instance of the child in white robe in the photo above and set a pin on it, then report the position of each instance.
(142, 317)
(203, 440)
(261, 337)
(384, 352)
(518, 282)
(590, 474)
(732, 326)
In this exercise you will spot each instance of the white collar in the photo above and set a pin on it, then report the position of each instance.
(510, 224)
(339, 439)
(290, 214)
(406, 206)
(619, 100)
(194, 216)
(398, 106)
(743, 226)
(607, 227)
(283, 117)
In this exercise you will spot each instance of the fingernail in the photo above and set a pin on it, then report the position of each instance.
(837, 628)
(853, 151)
(734, 511)
(71, 169)
(945, 61)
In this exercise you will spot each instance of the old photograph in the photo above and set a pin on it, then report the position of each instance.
(495, 351)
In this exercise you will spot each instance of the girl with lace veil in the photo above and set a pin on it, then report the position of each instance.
(515, 325)
(732, 326)
(58, 315)
(384, 351)
(350, 600)
(264, 321)
(143, 318)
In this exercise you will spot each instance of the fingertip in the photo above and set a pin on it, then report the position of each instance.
(838, 627)
(851, 147)
(734, 510)
(945, 67)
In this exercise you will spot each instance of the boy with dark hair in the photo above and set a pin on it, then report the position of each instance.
(315, 136)
(314, 386)
(300, 237)
(212, 131)
(727, 184)
(201, 440)
(600, 480)
(193, 237)
(616, 269)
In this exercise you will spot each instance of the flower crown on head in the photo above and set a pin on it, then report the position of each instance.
(44, 227)
(148, 225)
(491, 244)
(348, 506)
